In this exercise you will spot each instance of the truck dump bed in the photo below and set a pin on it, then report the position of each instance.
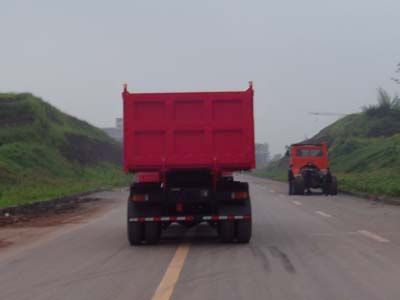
(196, 130)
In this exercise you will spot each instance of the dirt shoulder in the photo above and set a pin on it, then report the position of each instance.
(23, 225)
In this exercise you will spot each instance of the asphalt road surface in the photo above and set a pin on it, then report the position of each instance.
(303, 247)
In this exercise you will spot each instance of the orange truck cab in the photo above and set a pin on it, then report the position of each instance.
(309, 169)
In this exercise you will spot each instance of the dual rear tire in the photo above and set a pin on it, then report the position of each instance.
(243, 231)
(235, 230)
(152, 232)
(141, 232)
(239, 230)
(226, 231)
(135, 233)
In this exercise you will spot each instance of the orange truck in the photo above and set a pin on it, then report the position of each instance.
(309, 169)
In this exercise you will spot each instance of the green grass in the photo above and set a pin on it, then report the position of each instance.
(276, 170)
(364, 153)
(374, 183)
(369, 165)
(43, 187)
(45, 153)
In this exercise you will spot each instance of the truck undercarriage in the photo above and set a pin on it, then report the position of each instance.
(189, 198)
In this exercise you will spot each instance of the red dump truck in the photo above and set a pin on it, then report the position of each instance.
(183, 148)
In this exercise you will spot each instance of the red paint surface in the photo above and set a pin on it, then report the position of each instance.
(148, 177)
(208, 130)
(298, 162)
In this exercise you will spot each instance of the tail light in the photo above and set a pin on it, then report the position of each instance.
(240, 195)
(179, 207)
(140, 197)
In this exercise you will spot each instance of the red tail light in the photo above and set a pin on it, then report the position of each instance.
(140, 197)
(179, 207)
(240, 195)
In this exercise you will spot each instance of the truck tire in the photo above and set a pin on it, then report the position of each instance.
(135, 229)
(135, 233)
(333, 188)
(243, 231)
(291, 188)
(299, 186)
(152, 232)
(227, 231)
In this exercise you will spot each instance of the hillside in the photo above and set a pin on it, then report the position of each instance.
(364, 152)
(45, 153)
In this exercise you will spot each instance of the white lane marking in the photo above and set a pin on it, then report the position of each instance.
(333, 234)
(373, 236)
(297, 203)
(321, 213)
(171, 276)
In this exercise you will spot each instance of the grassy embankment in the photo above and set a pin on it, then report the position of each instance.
(45, 153)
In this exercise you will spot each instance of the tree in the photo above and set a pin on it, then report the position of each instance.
(277, 157)
(386, 103)
(263, 154)
(396, 78)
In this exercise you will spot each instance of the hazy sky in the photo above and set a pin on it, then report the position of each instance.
(303, 56)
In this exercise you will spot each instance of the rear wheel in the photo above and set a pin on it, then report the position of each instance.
(152, 232)
(243, 231)
(135, 229)
(333, 188)
(299, 186)
(226, 231)
(135, 233)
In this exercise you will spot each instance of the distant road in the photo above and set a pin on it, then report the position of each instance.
(303, 247)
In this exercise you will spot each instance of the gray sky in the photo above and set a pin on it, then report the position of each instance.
(303, 56)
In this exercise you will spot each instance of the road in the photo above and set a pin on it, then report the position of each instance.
(303, 247)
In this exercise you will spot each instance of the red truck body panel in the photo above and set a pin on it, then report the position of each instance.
(145, 177)
(194, 130)
(302, 154)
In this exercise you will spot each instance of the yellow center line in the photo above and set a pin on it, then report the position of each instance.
(171, 276)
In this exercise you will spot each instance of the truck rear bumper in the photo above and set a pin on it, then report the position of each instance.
(213, 218)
